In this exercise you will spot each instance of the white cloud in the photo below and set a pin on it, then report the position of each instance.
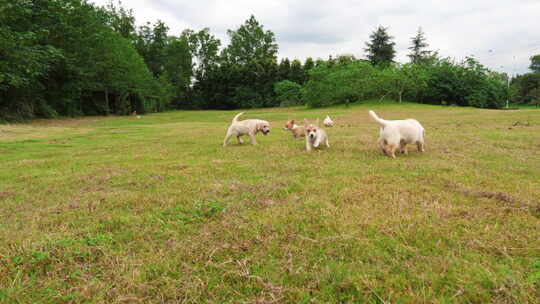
(501, 35)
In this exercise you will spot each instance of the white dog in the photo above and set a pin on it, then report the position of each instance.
(396, 134)
(248, 127)
(328, 122)
(314, 135)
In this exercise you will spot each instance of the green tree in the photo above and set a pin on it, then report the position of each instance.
(419, 52)
(178, 68)
(465, 84)
(284, 69)
(522, 86)
(308, 65)
(297, 72)
(339, 84)
(122, 20)
(205, 49)
(535, 63)
(380, 49)
(69, 60)
(288, 93)
(401, 79)
(534, 96)
(250, 42)
(151, 43)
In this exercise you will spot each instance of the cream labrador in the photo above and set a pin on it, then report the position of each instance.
(249, 127)
(396, 134)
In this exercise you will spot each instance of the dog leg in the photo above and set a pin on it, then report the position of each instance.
(252, 139)
(420, 146)
(391, 151)
(382, 146)
(240, 141)
(403, 148)
(317, 142)
(308, 146)
(226, 140)
(327, 144)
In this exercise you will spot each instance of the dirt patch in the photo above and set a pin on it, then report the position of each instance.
(533, 207)
(5, 195)
(179, 167)
(59, 141)
(499, 196)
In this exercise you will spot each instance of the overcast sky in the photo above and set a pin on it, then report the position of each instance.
(501, 34)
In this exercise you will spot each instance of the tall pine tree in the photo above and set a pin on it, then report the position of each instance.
(284, 69)
(297, 72)
(535, 63)
(418, 48)
(380, 49)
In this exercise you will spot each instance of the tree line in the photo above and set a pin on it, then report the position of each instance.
(525, 88)
(72, 58)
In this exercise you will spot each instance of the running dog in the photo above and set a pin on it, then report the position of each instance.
(296, 130)
(249, 127)
(314, 135)
(396, 134)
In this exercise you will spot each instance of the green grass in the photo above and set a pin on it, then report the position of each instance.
(154, 210)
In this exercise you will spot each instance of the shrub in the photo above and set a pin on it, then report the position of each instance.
(288, 93)
(332, 84)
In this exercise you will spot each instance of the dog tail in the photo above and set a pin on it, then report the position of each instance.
(374, 116)
(235, 119)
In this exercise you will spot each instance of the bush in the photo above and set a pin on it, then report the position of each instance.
(523, 88)
(465, 84)
(288, 93)
(332, 84)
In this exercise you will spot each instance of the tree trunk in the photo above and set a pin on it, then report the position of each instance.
(382, 97)
(107, 108)
(400, 93)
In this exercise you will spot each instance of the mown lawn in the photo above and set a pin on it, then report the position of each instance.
(155, 210)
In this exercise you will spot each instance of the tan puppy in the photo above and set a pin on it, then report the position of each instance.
(396, 134)
(314, 135)
(249, 127)
(296, 130)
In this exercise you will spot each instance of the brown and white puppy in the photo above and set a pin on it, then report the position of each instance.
(249, 127)
(396, 134)
(314, 135)
(296, 130)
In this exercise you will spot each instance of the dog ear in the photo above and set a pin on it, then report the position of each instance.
(292, 121)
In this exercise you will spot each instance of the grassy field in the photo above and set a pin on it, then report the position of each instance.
(155, 210)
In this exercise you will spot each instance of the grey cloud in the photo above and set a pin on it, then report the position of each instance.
(321, 28)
